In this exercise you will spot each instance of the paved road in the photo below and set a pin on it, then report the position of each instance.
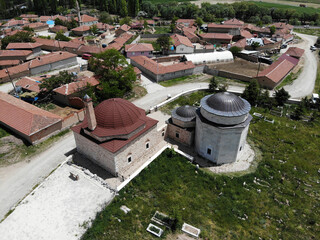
(304, 84)
(18, 180)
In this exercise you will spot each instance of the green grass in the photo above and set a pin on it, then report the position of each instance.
(304, 1)
(317, 83)
(280, 200)
(175, 81)
(155, 45)
(162, 29)
(3, 133)
(308, 10)
(315, 32)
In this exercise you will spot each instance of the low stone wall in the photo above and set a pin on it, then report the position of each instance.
(216, 72)
(72, 119)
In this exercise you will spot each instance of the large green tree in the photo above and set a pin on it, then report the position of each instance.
(47, 85)
(282, 96)
(115, 75)
(164, 42)
(252, 92)
(18, 37)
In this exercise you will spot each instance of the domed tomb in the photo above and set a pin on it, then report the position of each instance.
(184, 116)
(116, 118)
(225, 108)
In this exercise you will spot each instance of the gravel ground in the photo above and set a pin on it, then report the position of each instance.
(60, 208)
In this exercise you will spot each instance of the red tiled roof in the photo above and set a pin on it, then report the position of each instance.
(73, 87)
(24, 117)
(216, 36)
(246, 34)
(28, 16)
(214, 25)
(139, 47)
(295, 52)
(267, 41)
(149, 22)
(125, 27)
(137, 70)
(186, 21)
(15, 53)
(158, 68)
(242, 43)
(280, 25)
(116, 117)
(30, 83)
(14, 70)
(279, 69)
(89, 49)
(9, 62)
(233, 21)
(23, 45)
(83, 28)
(37, 25)
(86, 18)
(181, 40)
(12, 23)
(57, 28)
(50, 58)
(189, 34)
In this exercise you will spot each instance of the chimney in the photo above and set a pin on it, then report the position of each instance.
(91, 117)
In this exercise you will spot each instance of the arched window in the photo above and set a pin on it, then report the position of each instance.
(147, 144)
(129, 158)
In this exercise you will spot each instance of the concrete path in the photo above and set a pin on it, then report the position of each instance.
(304, 84)
(17, 180)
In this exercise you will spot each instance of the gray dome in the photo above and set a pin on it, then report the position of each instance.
(186, 111)
(226, 102)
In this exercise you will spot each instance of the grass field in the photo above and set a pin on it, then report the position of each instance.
(280, 200)
(317, 83)
(281, 6)
(315, 32)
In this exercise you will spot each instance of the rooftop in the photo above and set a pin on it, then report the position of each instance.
(181, 40)
(23, 45)
(139, 47)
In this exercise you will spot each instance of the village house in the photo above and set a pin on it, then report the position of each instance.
(181, 44)
(32, 17)
(116, 135)
(58, 28)
(295, 52)
(186, 22)
(83, 30)
(119, 42)
(190, 35)
(64, 93)
(26, 120)
(18, 24)
(137, 49)
(233, 21)
(217, 38)
(34, 47)
(224, 28)
(8, 63)
(159, 72)
(30, 84)
(44, 63)
(21, 55)
(38, 26)
(86, 20)
(122, 29)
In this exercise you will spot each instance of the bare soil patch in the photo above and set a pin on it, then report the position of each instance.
(240, 66)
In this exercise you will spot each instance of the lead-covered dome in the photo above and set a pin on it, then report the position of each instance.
(186, 111)
(184, 116)
(225, 108)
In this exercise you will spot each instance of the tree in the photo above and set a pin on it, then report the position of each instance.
(94, 29)
(115, 75)
(123, 8)
(298, 112)
(266, 19)
(48, 84)
(281, 97)
(145, 24)
(27, 28)
(18, 37)
(105, 17)
(164, 42)
(199, 21)
(235, 50)
(126, 20)
(255, 45)
(213, 84)
(264, 100)
(61, 37)
(272, 30)
(252, 93)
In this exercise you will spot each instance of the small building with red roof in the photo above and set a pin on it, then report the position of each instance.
(182, 45)
(38, 26)
(65, 92)
(58, 28)
(216, 38)
(234, 21)
(21, 55)
(122, 29)
(86, 20)
(295, 52)
(138, 49)
(30, 84)
(116, 135)
(83, 30)
(34, 47)
(26, 120)
(186, 22)
(8, 63)
(159, 71)
(224, 28)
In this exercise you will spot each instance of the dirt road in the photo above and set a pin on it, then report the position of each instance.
(18, 180)
(304, 84)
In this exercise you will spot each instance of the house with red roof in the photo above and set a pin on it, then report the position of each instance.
(21, 55)
(189, 33)
(122, 29)
(295, 52)
(86, 20)
(117, 135)
(30, 84)
(8, 63)
(58, 28)
(217, 38)
(83, 30)
(181, 44)
(277, 71)
(34, 47)
(160, 72)
(26, 120)
(138, 49)
(224, 28)
(18, 24)
(38, 26)
(186, 22)
(64, 93)
(234, 21)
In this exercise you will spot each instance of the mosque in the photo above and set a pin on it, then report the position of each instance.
(116, 133)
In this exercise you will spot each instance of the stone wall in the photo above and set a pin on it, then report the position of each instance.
(185, 137)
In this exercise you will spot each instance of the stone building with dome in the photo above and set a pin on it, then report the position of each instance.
(116, 134)
(217, 129)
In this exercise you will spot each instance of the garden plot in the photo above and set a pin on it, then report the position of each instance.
(60, 208)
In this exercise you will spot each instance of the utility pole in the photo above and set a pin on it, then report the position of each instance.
(258, 66)
(14, 87)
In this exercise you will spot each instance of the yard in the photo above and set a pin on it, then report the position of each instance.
(240, 66)
(280, 200)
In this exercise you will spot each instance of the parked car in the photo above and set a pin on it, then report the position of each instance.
(313, 48)
(86, 56)
(284, 46)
